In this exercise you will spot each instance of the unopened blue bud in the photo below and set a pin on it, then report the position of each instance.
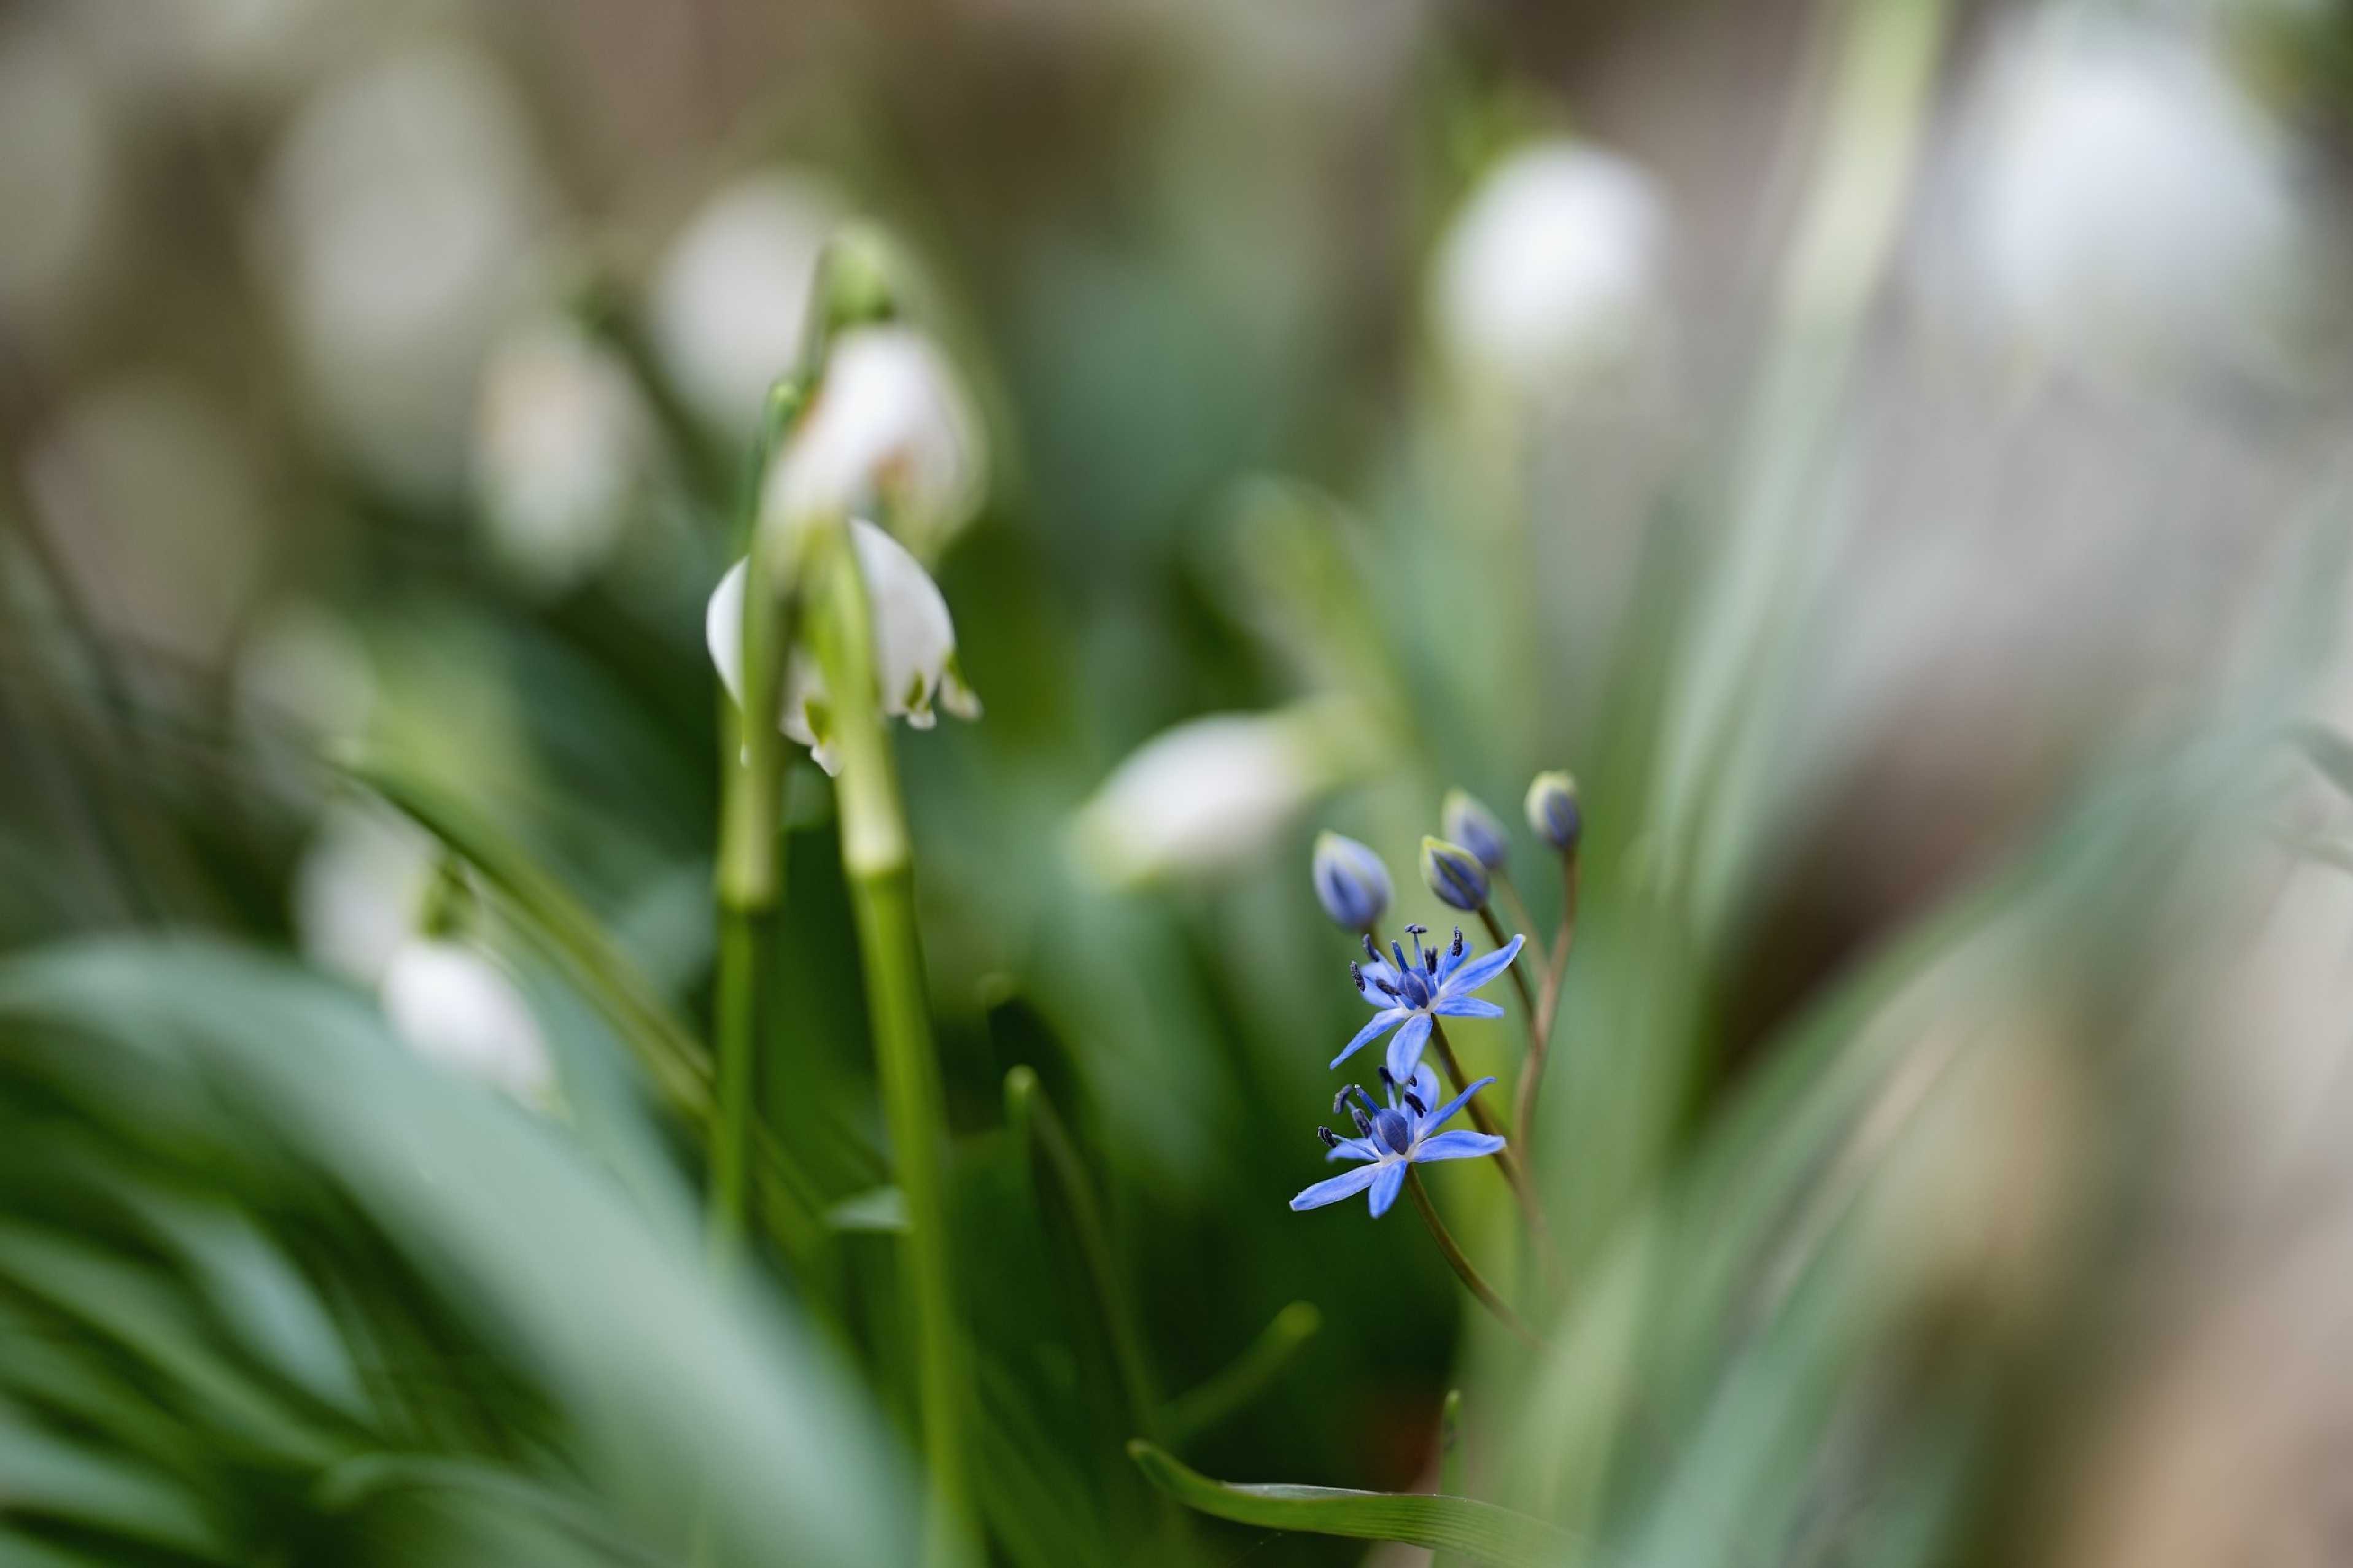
(1454, 874)
(1351, 882)
(1554, 813)
(1466, 822)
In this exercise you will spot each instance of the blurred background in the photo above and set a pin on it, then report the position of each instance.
(1895, 451)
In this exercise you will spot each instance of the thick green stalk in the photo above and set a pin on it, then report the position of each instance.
(879, 863)
(751, 855)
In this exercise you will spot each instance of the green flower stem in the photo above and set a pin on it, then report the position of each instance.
(879, 863)
(1496, 934)
(1521, 915)
(1463, 1268)
(1506, 1161)
(750, 847)
(1532, 1066)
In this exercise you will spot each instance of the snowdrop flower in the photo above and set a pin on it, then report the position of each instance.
(731, 301)
(893, 432)
(1392, 1137)
(1549, 273)
(454, 1008)
(358, 888)
(2126, 195)
(1210, 793)
(1413, 993)
(914, 646)
(404, 199)
(563, 440)
(1461, 819)
(1555, 814)
(1350, 882)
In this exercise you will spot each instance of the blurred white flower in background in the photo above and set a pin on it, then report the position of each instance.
(148, 494)
(405, 197)
(1213, 793)
(892, 425)
(914, 646)
(360, 887)
(456, 1007)
(57, 174)
(2122, 198)
(563, 444)
(730, 303)
(1550, 273)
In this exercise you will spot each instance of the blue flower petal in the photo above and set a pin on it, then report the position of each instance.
(1457, 1103)
(1459, 1145)
(1347, 1185)
(1353, 1149)
(1477, 972)
(1387, 1182)
(1425, 1087)
(1377, 974)
(1382, 1022)
(1405, 1047)
(1466, 1008)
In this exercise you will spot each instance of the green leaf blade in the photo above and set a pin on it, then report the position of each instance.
(1478, 1529)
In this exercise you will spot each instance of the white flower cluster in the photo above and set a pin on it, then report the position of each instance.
(356, 895)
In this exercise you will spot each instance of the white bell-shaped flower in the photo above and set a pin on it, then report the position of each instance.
(914, 646)
(891, 433)
(454, 1008)
(358, 887)
(1550, 273)
(1210, 793)
(563, 441)
(730, 301)
(2124, 200)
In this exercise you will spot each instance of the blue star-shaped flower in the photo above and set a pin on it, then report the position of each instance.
(1392, 1137)
(1435, 983)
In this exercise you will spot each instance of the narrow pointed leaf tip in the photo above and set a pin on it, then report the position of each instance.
(1480, 1531)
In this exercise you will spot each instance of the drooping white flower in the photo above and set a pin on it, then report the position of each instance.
(893, 432)
(1209, 793)
(403, 201)
(2121, 195)
(358, 888)
(456, 1007)
(731, 301)
(914, 646)
(563, 441)
(1550, 272)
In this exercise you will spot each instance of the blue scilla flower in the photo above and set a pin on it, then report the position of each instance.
(1411, 993)
(1390, 1137)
